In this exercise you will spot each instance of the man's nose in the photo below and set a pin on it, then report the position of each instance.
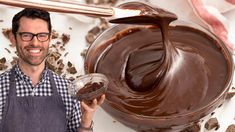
(35, 41)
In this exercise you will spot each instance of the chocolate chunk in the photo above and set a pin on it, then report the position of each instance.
(230, 93)
(65, 38)
(69, 64)
(50, 61)
(59, 61)
(230, 128)
(103, 24)
(14, 61)
(7, 50)
(220, 105)
(90, 38)
(61, 66)
(1, 21)
(62, 48)
(66, 54)
(58, 71)
(3, 60)
(72, 70)
(3, 66)
(58, 43)
(78, 76)
(95, 30)
(83, 53)
(54, 34)
(55, 55)
(212, 123)
(64, 75)
(52, 46)
(71, 78)
(6, 32)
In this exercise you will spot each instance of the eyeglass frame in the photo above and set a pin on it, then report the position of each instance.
(29, 33)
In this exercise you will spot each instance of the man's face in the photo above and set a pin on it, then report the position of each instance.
(32, 52)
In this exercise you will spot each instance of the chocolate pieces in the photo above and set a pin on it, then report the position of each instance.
(230, 128)
(230, 93)
(3, 65)
(6, 32)
(212, 123)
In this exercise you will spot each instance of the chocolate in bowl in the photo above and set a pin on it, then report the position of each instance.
(194, 84)
(88, 87)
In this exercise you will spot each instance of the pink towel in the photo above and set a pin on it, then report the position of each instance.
(212, 13)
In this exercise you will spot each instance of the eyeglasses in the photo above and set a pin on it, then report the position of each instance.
(27, 36)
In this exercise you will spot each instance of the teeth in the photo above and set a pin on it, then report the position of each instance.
(34, 51)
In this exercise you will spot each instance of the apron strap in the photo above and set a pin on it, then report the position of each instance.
(53, 85)
(12, 90)
(11, 93)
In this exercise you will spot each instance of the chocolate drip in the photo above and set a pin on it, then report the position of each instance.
(138, 76)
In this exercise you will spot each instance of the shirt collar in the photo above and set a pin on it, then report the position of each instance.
(21, 74)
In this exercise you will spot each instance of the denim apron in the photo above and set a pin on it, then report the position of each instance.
(33, 114)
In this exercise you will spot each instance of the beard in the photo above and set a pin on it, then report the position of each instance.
(26, 57)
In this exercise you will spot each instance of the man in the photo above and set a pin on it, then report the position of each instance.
(32, 97)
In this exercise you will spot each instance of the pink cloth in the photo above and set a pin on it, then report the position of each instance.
(211, 12)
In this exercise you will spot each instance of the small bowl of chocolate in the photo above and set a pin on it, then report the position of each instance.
(89, 86)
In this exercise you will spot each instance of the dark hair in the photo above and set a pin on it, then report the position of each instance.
(30, 13)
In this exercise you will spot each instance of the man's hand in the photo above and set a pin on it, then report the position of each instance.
(88, 111)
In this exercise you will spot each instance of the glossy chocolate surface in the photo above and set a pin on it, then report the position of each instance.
(195, 74)
(160, 72)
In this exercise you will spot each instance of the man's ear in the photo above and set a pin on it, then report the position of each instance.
(12, 39)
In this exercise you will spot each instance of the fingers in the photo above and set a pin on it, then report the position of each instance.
(85, 106)
(89, 108)
(101, 99)
(94, 104)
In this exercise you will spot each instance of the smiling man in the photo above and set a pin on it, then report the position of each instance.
(32, 97)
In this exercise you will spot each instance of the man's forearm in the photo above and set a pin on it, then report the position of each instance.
(86, 127)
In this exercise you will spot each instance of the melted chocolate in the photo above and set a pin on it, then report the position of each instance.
(160, 72)
(90, 91)
(149, 78)
(188, 84)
